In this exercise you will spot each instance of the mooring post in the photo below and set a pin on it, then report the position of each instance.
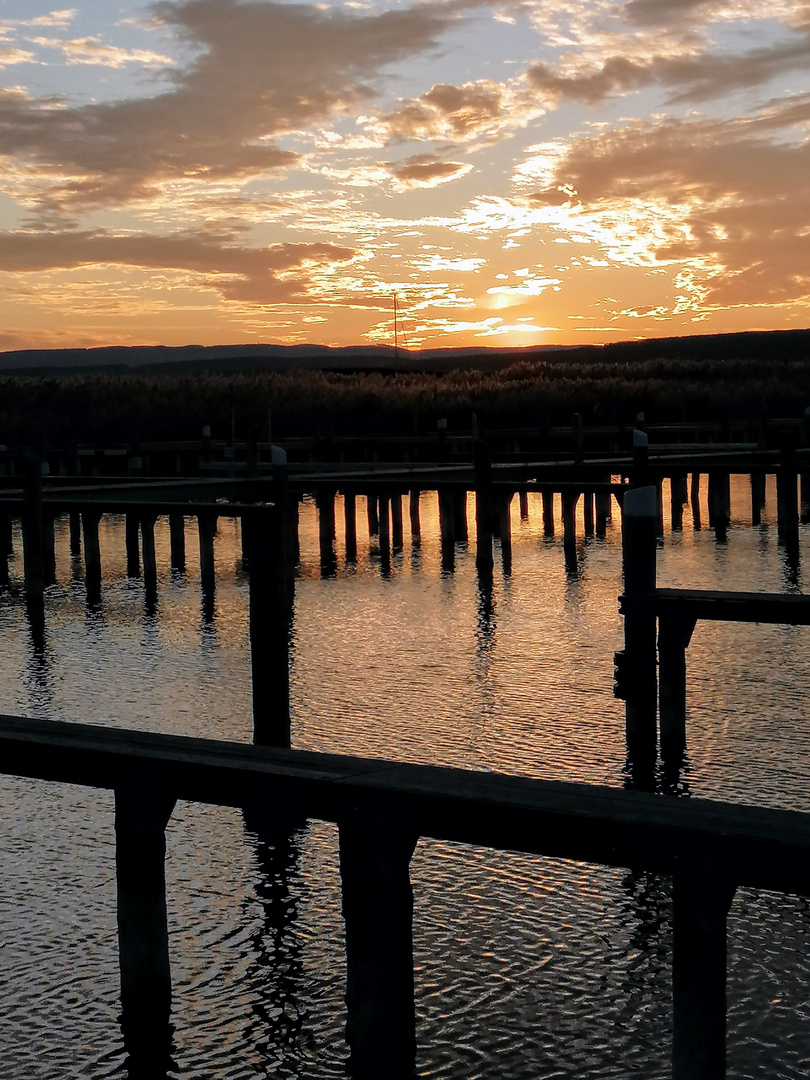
(350, 525)
(413, 511)
(694, 497)
(523, 497)
(483, 506)
(719, 502)
(674, 634)
(75, 520)
(587, 512)
(207, 527)
(447, 527)
(131, 527)
(378, 916)
(48, 548)
(177, 542)
(701, 898)
(396, 521)
(548, 513)
(787, 503)
(639, 532)
(148, 541)
(677, 497)
(142, 812)
(384, 525)
(569, 516)
(91, 518)
(325, 502)
(757, 496)
(373, 514)
(270, 603)
(33, 529)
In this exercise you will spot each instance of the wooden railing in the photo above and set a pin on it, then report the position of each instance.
(381, 809)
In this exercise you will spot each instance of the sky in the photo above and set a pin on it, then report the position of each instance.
(524, 172)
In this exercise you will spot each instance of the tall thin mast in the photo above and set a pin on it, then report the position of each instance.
(396, 333)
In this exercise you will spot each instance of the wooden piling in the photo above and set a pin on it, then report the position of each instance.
(569, 516)
(373, 515)
(787, 503)
(413, 511)
(524, 505)
(447, 527)
(548, 513)
(92, 553)
(207, 528)
(75, 534)
(639, 532)
(483, 506)
(131, 527)
(602, 512)
(804, 486)
(504, 503)
(719, 502)
(378, 918)
(177, 542)
(677, 498)
(460, 528)
(6, 535)
(325, 501)
(587, 513)
(141, 815)
(33, 529)
(270, 603)
(350, 525)
(695, 500)
(700, 903)
(674, 635)
(396, 521)
(48, 549)
(757, 496)
(148, 547)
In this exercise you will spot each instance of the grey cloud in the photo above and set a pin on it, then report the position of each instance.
(262, 70)
(458, 111)
(426, 169)
(255, 275)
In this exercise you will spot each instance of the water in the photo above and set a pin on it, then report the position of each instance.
(525, 967)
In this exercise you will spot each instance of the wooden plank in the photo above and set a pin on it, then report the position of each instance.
(751, 846)
(780, 608)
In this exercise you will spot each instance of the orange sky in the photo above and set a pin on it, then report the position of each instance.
(518, 173)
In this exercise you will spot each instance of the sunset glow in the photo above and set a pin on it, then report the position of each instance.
(517, 173)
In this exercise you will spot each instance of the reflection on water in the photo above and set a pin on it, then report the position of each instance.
(525, 967)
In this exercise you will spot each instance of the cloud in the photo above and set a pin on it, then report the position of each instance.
(427, 170)
(278, 273)
(92, 50)
(8, 57)
(261, 70)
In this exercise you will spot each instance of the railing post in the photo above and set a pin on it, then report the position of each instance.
(263, 538)
(639, 530)
(378, 916)
(700, 904)
(141, 816)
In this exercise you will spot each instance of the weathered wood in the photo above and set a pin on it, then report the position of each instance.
(548, 513)
(701, 898)
(695, 499)
(413, 511)
(325, 501)
(674, 634)
(757, 496)
(207, 529)
(523, 497)
(569, 517)
(378, 917)
(143, 942)
(782, 608)
(373, 516)
(132, 525)
(587, 513)
(460, 528)
(350, 525)
(639, 531)
(396, 521)
(148, 547)
(483, 506)
(787, 501)
(177, 542)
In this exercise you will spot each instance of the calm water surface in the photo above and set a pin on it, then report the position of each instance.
(525, 967)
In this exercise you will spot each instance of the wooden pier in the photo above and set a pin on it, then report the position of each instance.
(381, 809)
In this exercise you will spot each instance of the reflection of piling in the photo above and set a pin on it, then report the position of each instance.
(639, 530)
(483, 506)
(177, 542)
(350, 525)
(264, 541)
(378, 916)
(131, 527)
(700, 903)
(143, 942)
(91, 518)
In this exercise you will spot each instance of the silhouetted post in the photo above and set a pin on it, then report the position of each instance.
(483, 506)
(373, 515)
(92, 553)
(569, 516)
(32, 529)
(5, 522)
(350, 525)
(459, 498)
(523, 497)
(787, 506)
(396, 521)
(674, 635)
(48, 548)
(548, 513)
(639, 531)
(131, 527)
(207, 527)
(757, 496)
(676, 500)
(694, 495)
(264, 543)
(378, 916)
(641, 458)
(75, 533)
(413, 510)
(447, 527)
(700, 903)
(503, 505)
(148, 541)
(587, 512)
(177, 542)
(719, 503)
(7, 535)
(141, 816)
(325, 501)
(602, 511)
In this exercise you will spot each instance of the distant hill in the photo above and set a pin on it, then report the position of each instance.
(154, 359)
